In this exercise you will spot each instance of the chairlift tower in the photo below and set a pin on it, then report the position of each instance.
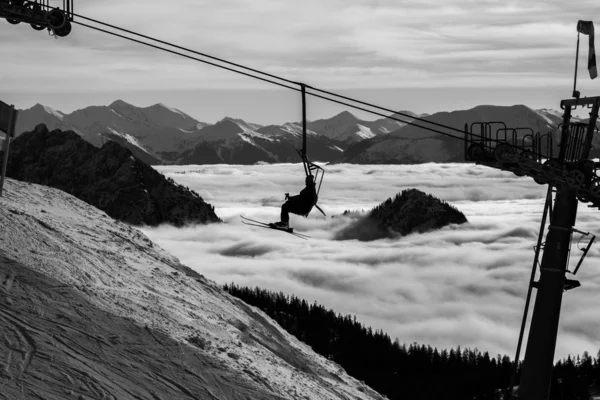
(573, 178)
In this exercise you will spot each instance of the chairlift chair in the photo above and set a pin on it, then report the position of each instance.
(309, 166)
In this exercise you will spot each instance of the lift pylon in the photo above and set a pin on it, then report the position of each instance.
(541, 345)
(575, 178)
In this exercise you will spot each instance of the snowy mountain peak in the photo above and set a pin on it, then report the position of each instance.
(228, 121)
(41, 114)
(231, 119)
(119, 104)
(52, 111)
(161, 110)
(295, 128)
(550, 111)
(119, 107)
(345, 116)
(40, 108)
(246, 126)
(554, 117)
(173, 110)
(365, 132)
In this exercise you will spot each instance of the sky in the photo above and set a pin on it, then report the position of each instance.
(461, 285)
(418, 55)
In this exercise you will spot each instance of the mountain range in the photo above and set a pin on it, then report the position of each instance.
(412, 144)
(160, 134)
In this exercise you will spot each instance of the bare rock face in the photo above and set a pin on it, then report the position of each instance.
(109, 178)
(411, 211)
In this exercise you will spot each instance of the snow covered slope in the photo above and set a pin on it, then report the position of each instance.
(555, 117)
(119, 270)
(345, 127)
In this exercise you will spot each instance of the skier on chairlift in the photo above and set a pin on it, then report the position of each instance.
(301, 204)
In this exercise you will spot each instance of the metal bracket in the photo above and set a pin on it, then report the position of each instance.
(570, 284)
(585, 251)
(552, 269)
(560, 228)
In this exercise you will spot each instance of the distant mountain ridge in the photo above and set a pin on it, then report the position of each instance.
(347, 128)
(412, 144)
(160, 134)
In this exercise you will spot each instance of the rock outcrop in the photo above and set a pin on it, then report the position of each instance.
(411, 211)
(109, 178)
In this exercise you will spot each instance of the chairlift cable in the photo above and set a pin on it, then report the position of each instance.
(183, 55)
(472, 135)
(260, 72)
(264, 73)
(280, 84)
(302, 85)
(186, 49)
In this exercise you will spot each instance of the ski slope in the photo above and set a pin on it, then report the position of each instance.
(118, 269)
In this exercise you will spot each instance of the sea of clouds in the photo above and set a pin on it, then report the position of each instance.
(462, 285)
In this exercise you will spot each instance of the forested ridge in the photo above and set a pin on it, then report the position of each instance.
(410, 211)
(413, 371)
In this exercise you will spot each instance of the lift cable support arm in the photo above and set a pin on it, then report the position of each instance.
(585, 250)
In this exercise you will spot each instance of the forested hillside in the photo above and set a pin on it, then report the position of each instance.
(414, 371)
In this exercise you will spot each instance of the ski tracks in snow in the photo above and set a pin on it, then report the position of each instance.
(83, 333)
(55, 345)
(17, 346)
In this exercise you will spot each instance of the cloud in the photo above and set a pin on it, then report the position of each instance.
(246, 249)
(364, 229)
(462, 285)
(336, 283)
(340, 44)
